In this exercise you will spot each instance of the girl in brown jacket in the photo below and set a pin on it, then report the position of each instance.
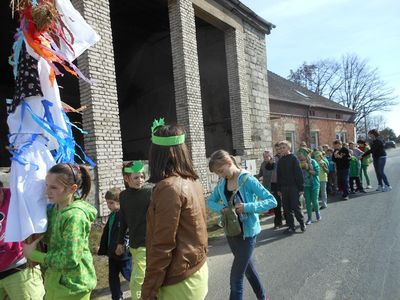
(176, 239)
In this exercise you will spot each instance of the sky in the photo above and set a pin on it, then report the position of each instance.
(312, 30)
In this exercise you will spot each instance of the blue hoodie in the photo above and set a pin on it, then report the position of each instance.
(249, 192)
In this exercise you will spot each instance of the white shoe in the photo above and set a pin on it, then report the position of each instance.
(369, 187)
(387, 188)
(379, 189)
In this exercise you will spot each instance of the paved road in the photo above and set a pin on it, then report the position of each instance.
(353, 253)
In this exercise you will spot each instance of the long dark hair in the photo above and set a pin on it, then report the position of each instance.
(165, 161)
(74, 174)
(374, 132)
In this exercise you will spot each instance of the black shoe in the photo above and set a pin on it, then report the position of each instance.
(303, 227)
(290, 230)
(322, 207)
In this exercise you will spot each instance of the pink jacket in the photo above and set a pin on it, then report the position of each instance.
(9, 252)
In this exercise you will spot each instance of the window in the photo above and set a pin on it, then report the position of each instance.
(290, 136)
(312, 113)
(338, 116)
(314, 139)
(342, 136)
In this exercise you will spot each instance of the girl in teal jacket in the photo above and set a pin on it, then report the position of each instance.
(310, 169)
(251, 199)
(70, 272)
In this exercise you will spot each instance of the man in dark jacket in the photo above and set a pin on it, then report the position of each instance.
(341, 157)
(108, 244)
(290, 186)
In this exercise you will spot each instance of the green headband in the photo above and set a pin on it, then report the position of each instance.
(165, 140)
(304, 151)
(317, 153)
(136, 167)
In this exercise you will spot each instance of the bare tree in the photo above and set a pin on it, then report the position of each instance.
(351, 83)
(371, 122)
(321, 77)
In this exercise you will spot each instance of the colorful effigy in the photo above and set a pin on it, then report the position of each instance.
(51, 35)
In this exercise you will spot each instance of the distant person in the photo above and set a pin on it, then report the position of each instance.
(379, 160)
(332, 180)
(356, 151)
(310, 170)
(290, 186)
(354, 174)
(176, 237)
(117, 264)
(274, 189)
(323, 177)
(17, 280)
(342, 158)
(134, 202)
(266, 169)
(251, 198)
(365, 162)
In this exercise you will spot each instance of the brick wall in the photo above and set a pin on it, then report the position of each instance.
(238, 96)
(257, 85)
(101, 118)
(326, 129)
(187, 81)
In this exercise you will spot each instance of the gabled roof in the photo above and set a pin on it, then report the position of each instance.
(282, 89)
(241, 10)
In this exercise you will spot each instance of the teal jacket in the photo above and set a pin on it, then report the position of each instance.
(256, 199)
(312, 180)
(70, 270)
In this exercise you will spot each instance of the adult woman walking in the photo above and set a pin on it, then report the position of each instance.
(379, 160)
(176, 238)
(245, 189)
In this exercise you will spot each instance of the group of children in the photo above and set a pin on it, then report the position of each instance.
(312, 175)
(70, 273)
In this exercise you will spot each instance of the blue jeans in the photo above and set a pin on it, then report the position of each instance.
(242, 250)
(379, 166)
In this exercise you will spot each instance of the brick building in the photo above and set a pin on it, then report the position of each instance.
(298, 114)
(201, 63)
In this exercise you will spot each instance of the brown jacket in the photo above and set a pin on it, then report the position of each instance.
(176, 238)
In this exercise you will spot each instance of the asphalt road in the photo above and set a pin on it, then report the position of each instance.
(352, 253)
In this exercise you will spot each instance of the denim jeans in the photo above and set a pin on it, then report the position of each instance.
(242, 250)
(379, 166)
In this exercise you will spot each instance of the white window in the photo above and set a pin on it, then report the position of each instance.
(342, 136)
(314, 139)
(290, 136)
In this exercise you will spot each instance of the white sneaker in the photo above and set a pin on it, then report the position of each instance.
(369, 187)
(379, 189)
(387, 188)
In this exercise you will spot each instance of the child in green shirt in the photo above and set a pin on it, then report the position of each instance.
(70, 273)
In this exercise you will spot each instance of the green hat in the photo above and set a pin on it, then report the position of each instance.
(135, 167)
(303, 151)
(317, 154)
(165, 140)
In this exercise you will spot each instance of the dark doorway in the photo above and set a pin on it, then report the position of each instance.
(143, 62)
(214, 87)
